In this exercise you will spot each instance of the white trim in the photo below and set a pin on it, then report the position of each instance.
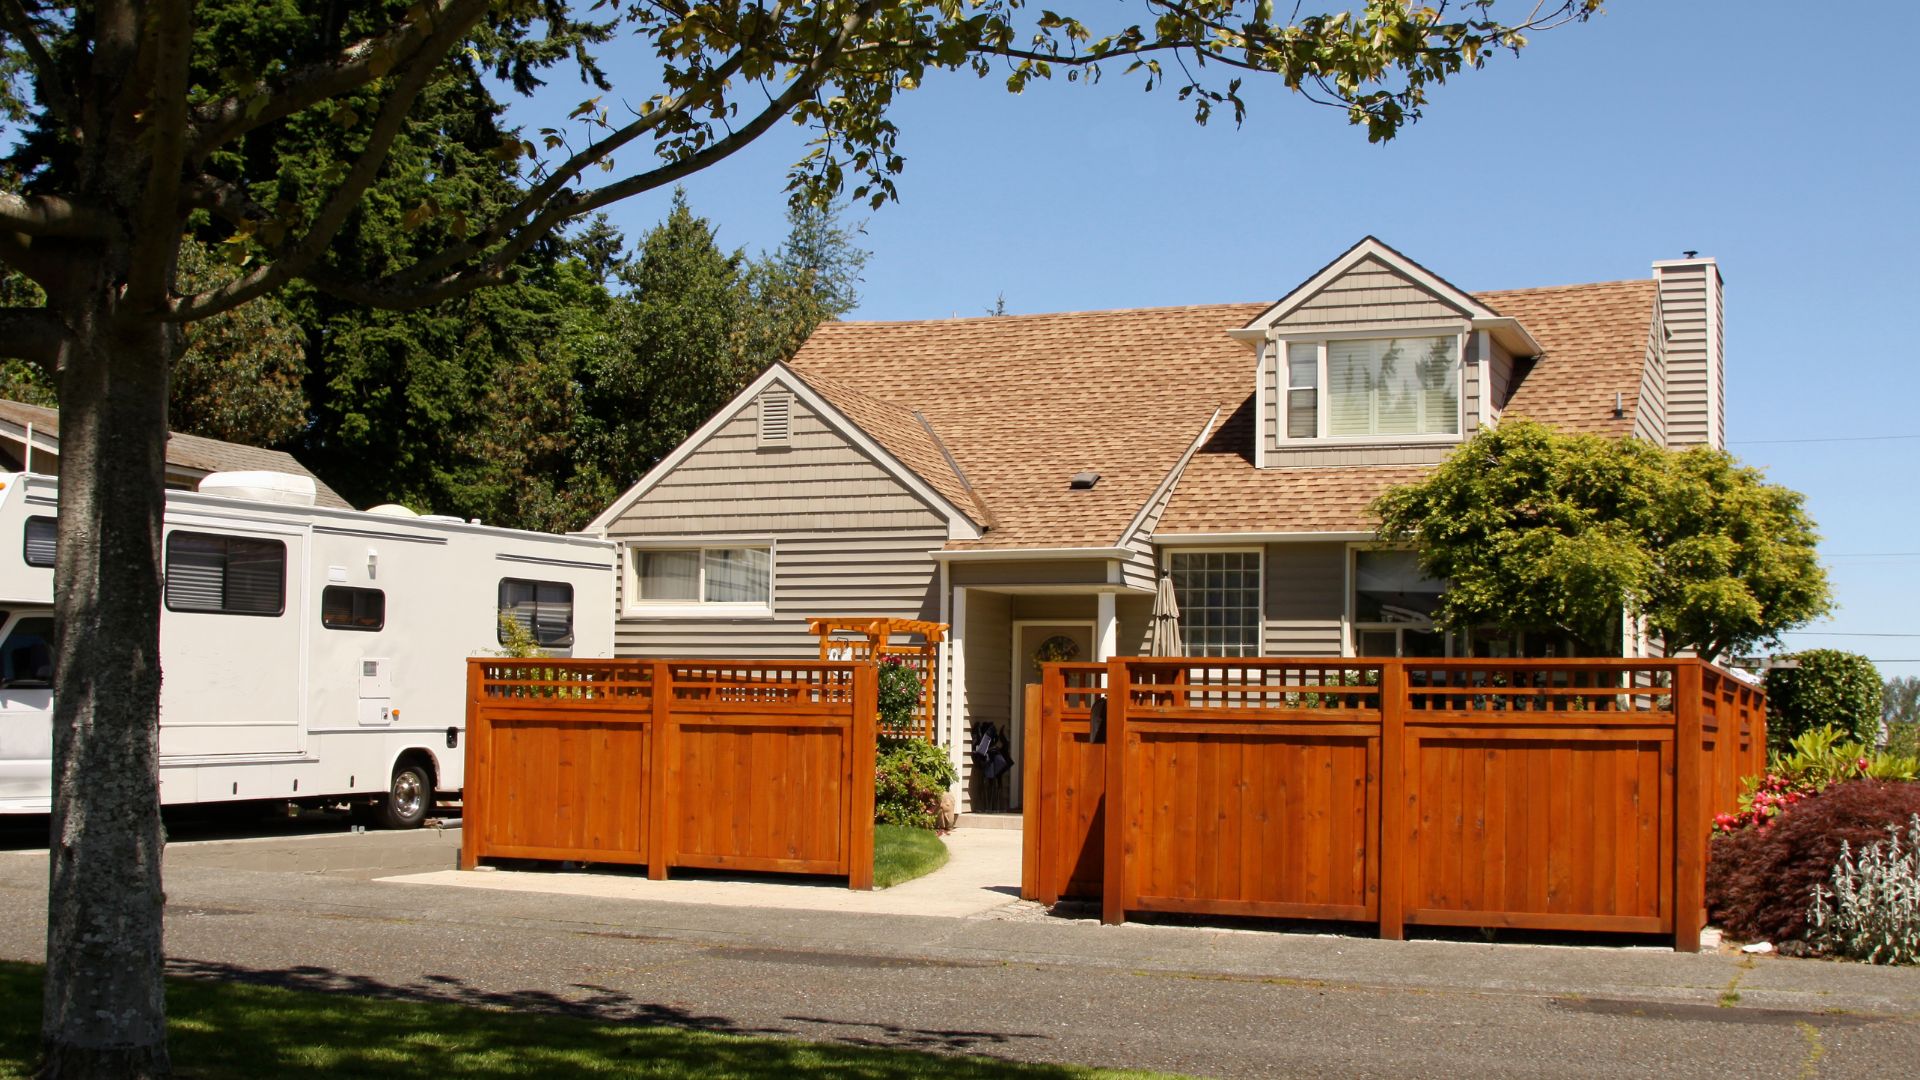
(1261, 352)
(1182, 539)
(1016, 700)
(1516, 338)
(957, 640)
(1166, 483)
(1369, 247)
(1029, 554)
(959, 525)
(630, 608)
(1106, 627)
(943, 653)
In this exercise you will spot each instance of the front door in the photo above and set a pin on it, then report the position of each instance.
(1035, 643)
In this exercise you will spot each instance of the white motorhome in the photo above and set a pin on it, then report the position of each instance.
(308, 654)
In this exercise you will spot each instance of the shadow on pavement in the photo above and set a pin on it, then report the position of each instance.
(237, 821)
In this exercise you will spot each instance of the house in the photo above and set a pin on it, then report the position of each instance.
(1026, 478)
(189, 457)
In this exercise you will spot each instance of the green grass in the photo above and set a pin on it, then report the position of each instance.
(902, 854)
(221, 1030)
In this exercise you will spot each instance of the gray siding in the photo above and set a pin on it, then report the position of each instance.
(988, 680)
(1370, 294)
(1499, 370)
(1134, 614)
(849, 539)
(1305, 599)
(1141, 571)
(1695, 388)
(1363, 454)
(821, 482)
(1650, 411)
(1030, 572)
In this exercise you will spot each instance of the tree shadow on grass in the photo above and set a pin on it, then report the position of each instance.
(228, 1021)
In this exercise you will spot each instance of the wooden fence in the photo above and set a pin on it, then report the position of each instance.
(1551, 794)
(681, 763)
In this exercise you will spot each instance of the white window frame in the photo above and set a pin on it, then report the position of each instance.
(1323, 393)
(1260, 594)
(631, 607)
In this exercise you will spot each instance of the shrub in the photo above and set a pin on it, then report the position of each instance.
(1873, 910)
(910, 775)
(1812, 762)
(899, 695)
(1761, 880)
(1829, 687)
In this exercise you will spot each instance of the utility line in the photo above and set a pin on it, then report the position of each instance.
(1869, 554)
(1828, 439)
(1847, 633)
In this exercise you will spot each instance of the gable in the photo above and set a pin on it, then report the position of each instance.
(1367, 295)
(825, 474)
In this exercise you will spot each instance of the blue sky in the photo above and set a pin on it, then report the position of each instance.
(1738, 129)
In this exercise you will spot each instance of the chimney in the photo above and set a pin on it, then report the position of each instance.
(1696, 383)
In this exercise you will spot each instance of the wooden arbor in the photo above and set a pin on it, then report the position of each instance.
(880, 639)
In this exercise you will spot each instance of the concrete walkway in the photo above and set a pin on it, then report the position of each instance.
(982, 873)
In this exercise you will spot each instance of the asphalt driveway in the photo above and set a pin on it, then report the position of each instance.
(307, 905)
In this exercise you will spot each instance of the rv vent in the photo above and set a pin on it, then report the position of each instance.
(260, 486)
(776, 418)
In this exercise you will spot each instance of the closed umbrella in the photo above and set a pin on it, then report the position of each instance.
(1164, 639)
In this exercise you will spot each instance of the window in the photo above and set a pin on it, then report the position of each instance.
(226, 575)
(26, 658)
(40, 537)
(344, 608)
(1393, 605)
(703, 575)
(1219, 597)
(1373, 387)
(543, 608)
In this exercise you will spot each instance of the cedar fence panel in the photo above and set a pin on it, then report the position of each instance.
(1550, 794)
(741, 766)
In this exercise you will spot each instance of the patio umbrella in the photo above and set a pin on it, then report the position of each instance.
(1164, 639)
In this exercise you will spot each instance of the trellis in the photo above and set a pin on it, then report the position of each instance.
(913, 642)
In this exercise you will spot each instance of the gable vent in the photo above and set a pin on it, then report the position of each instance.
(776, 418)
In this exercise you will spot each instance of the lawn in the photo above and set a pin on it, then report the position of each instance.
(902, 854)
(221, 1030)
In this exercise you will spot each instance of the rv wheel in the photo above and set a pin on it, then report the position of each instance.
(409, 798)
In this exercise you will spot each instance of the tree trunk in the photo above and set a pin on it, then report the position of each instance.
(105, 1008)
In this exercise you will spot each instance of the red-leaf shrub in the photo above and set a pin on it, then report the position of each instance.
(1760, 879)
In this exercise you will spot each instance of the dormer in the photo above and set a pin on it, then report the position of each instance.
(1376, 360)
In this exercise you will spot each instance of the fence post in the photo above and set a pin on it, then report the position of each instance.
(1689, 811)
(1113, 885)
(1031, 815)
(473, 825)
(862, 734)
(659, 768)
(1390, 788)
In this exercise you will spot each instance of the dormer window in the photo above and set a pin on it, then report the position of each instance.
(1373, 388)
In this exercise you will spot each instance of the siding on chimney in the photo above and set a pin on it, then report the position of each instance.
(1690, 309)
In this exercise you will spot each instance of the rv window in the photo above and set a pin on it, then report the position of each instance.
(226, 575)
(543, 608)
(26, 659)
(343, 608)
(39, 543)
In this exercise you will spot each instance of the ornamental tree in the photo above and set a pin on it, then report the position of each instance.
(1824, 688)
(133, 123)
(1537, 530)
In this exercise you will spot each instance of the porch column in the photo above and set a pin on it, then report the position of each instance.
(957, 696)
(1106, 629)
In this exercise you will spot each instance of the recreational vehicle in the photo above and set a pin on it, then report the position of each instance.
(309, 654)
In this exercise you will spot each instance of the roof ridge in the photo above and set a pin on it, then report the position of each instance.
(1567, 288)
(1158, 309)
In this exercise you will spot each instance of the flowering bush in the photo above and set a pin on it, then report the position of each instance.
(1811, 763)
(909, 778)
(899, 695)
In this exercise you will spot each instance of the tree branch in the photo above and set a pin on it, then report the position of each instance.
(291, 261)
(50, 215)
(53, 92)
(358, 64)
(228, 201)
(34, 334)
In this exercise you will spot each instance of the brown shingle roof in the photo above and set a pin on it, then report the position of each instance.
(1024, 402)
(901, 431)
(1595, 338)
(192, 452)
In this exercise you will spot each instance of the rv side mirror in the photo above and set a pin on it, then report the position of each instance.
(453, 738)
